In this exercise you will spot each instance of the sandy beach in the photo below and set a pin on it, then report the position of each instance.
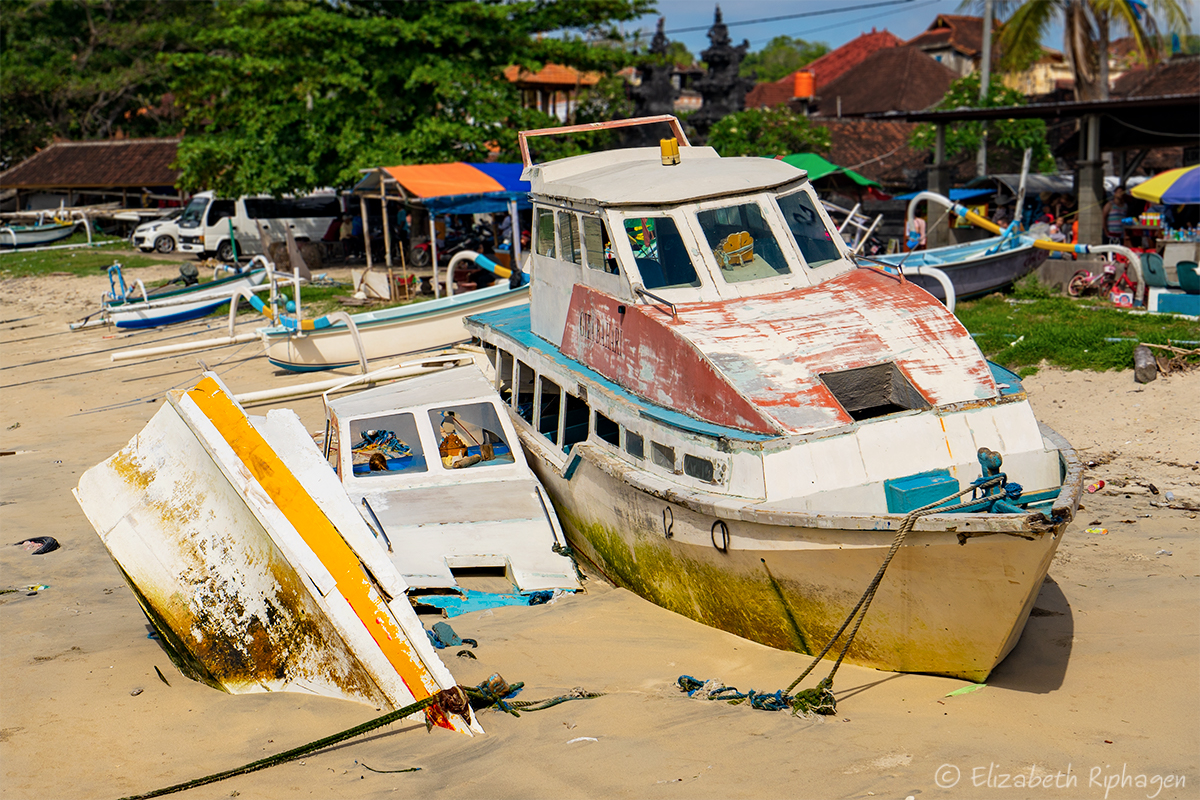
(1100, 699)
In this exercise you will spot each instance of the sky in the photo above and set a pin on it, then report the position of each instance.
(905, 20)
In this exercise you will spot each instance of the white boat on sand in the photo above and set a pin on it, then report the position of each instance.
(248, 559)
(734, 419)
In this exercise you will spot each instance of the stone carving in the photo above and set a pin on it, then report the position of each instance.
(723, 90)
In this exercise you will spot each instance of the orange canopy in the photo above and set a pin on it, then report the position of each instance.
(440, 180)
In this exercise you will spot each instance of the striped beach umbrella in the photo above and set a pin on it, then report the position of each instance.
(1173, 187)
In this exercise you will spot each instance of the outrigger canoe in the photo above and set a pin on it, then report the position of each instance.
(974, 268)
(251, 564)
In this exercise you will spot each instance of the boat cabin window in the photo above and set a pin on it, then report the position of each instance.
(663, 456)
(575, 422)
(468, 437)
(504, 375)
(634, 444)
(548, 407)
(598, 246)
(568, 237)
(524, 391)
(660, 253)
(332, 452)
(742, 243)
(544, 231)
(386, 444)
(696, 467)
(808, 229)
(607, 430)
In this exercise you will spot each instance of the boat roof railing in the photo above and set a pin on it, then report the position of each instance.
(676, 129)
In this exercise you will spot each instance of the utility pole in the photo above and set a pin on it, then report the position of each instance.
(985, 78)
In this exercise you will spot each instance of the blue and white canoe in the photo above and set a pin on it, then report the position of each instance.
(17, 236)
(180, 305)
(974, 268)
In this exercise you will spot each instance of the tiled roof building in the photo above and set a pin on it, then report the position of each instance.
(1179, 75)
(955, 41)
(893, 79)
(120, 164)
(825, 69)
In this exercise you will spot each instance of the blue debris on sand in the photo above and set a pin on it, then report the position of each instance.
(471, 600)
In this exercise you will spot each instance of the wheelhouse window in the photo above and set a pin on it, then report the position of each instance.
(384, 445)
(504, 375)
(696, 467)
(568, 236)
(663, 456)
(524, 391)
(660, 253)
(468, 436)
(815, 240)
(544, 229)
(575, 422)
(635, 445)
(742, 243)
(598, 246)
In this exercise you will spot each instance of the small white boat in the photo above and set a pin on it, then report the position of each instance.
(17, 236)
(434, 462)
(250, 563)
(414, 328)
(735, 418)
(974, 268)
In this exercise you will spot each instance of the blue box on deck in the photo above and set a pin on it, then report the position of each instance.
(913, 491)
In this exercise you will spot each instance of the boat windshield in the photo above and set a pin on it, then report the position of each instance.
(742, 243)
(812, 237)
(193, 213)
(386, 445)
(467, 436)
(660, 253)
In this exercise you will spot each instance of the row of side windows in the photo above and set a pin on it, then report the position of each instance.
(586, 243)
(564, 418)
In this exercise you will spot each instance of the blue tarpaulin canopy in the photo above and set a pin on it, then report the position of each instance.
(957, 195)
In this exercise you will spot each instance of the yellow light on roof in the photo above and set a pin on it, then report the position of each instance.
(670, 151)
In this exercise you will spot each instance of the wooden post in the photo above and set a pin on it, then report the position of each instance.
(433, 253)
(387, 228)
(362, 202)
(1091, 183)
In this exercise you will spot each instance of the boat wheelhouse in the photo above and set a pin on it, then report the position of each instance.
(733, 418)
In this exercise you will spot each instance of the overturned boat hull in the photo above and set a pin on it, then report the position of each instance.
(34, 235)
(239, 551)
(392, 332)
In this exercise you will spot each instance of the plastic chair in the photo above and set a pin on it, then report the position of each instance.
(1153, 272)
(1189, 280)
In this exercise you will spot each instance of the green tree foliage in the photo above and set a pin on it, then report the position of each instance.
(1007, 139)
(775, 131)
(782, 56)
(87, 69)
(1087, 28)
(294, 94)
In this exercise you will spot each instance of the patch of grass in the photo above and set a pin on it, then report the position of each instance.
(82, 261)
(1035, 324)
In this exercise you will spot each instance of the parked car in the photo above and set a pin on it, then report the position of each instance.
(160, 234)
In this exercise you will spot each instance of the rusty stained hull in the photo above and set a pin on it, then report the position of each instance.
(192, 513)
(942, 607)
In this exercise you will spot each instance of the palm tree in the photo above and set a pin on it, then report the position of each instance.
(1086, 28)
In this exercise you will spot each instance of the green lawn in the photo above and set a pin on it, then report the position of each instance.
(1020, 329)
(80, 261)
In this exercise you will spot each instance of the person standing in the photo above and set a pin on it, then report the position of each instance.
(1114, 214)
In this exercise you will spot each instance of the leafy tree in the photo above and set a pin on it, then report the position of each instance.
(87, 69)
(1087, 25)
(290, 95)
(1007, 139)
(777, 131)
(782, 56)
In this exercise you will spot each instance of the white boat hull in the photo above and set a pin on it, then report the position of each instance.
(788, 580)
(333, 348)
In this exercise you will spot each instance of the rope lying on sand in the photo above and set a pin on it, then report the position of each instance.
(819, 699)
(491, 692)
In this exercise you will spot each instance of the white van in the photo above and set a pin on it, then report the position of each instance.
(207, 222)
